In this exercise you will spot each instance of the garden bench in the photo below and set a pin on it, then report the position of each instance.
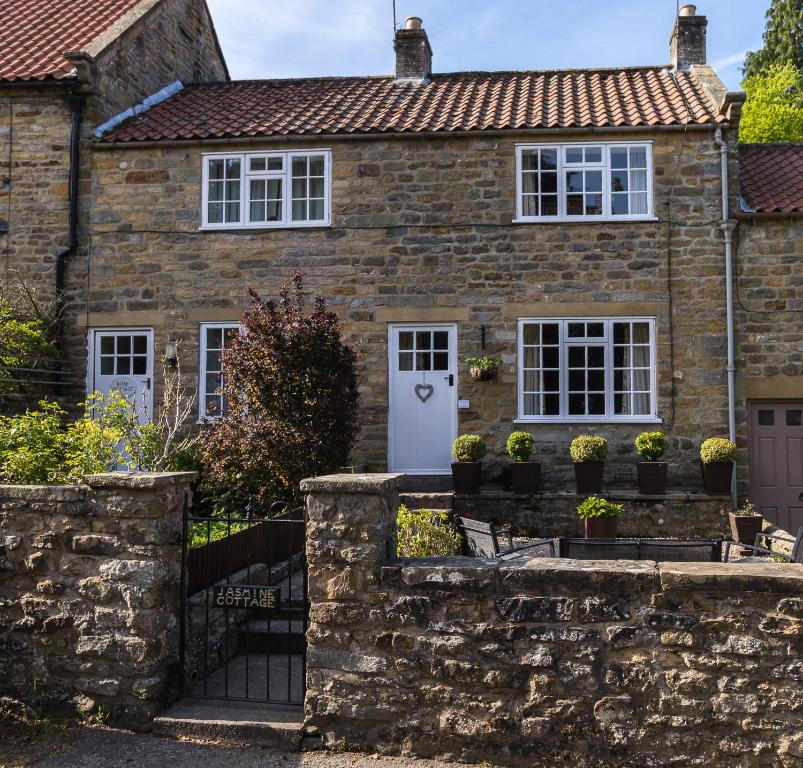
(764, 552)
(661, 550)
(482, 540)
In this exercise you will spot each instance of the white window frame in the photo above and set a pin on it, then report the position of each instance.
(245, 189)
(604, 166)
(564, 344)
(204, 417)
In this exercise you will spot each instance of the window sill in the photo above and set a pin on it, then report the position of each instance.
(261, 227)
(588, 220)
(591, 422)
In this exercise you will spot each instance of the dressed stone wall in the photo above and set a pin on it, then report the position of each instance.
(544, 662)
(89, 593)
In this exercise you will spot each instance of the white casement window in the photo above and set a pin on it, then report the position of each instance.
(584, 182)
(215, 340)
(267, 189)
(587, 370)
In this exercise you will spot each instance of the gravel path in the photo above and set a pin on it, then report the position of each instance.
(106, 748)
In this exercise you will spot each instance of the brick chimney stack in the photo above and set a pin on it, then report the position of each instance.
(413, 52)
(687, 44)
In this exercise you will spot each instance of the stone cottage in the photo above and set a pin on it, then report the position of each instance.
(576, 224)
(65, 67)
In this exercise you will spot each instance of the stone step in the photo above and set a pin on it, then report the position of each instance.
(421, 500)
(237, 723)
(426, 484)
(286, 636)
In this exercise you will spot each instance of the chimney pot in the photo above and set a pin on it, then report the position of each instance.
(414, 22)
(688, 10)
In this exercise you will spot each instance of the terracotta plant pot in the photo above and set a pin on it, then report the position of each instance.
(588, 476)
(466, 476)
(745, 527)
(482, 374)
(525, 476)
(717, 476)
(600, 527)
(652, 477)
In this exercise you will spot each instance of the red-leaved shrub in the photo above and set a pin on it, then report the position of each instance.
(291, 385)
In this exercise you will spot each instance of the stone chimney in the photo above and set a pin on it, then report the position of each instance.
(413, 52)
(687, 44)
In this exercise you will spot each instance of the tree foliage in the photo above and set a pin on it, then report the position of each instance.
(291, 387)
(773, 111)
(783, 39)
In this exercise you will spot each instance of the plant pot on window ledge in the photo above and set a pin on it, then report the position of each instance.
(652, 477)
(588, 476)
(466, 476)
(525, 476)
(717, 477)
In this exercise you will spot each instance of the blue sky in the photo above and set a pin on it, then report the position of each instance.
(298, 38)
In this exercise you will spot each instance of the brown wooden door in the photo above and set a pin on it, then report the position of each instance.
(776, 461)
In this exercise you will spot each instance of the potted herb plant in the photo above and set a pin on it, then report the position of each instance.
(599, 517)
(746, 522)
(717, 455)
(483, 368)
(588, 453)
(467, 451)
(525, 475)
(651, 472)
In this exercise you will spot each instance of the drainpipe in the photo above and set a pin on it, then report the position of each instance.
(77, 106)
(727, 226)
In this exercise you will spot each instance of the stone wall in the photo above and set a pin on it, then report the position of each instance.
(89, 593)
(422, 231)
(555, 514)
(544, 662)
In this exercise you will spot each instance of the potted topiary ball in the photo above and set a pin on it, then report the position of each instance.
(588, 453)
(746, 522)
(651, 472)
(599, 517)
(467, 451)
(717, 455)
(525, 476)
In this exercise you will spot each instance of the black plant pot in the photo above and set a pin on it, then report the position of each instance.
(466, 476)
(652, 477)
(600, 527)
(525, 476)
(588, 476)
(717, 476)
(745, 527)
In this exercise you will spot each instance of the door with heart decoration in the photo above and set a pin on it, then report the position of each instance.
(423, 398)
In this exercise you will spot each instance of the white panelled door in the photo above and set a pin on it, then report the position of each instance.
(423, 398)
(122, 360)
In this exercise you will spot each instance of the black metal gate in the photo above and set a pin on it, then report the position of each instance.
(244, 608)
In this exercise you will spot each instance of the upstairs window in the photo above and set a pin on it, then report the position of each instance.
(587, 370)
(266, 189)
(584, 182)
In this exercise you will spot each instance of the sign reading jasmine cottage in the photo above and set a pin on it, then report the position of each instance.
(240, 596)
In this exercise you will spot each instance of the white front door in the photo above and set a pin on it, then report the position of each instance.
(423, 398)
(122, 360)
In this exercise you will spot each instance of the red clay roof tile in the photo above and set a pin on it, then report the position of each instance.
(771, 177)
(35, 34)
(463, 101)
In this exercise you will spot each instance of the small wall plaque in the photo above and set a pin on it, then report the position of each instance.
(242, 596)
(464, 404)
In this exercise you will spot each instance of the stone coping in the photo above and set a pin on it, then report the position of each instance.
(78, 492)
(493, 495)
(366, 483)
(53, 493)
(468, 572)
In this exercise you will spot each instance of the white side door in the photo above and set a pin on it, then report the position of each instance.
(422, 389)
(122, 360)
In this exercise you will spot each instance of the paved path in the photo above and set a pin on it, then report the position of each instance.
(105, 748)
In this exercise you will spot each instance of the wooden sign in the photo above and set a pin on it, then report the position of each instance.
(242, 596)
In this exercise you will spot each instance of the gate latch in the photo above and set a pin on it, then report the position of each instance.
(450, 379)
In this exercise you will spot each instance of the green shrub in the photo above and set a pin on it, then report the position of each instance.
(717, 449)
(425, 533)
(596, 507)
(520, 446)
(589, 448)
(651, 445)
(468, 448)
(485, 363)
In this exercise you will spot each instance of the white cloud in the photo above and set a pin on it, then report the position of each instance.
(729, 61)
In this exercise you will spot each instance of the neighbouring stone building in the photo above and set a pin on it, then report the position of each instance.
(64, 69)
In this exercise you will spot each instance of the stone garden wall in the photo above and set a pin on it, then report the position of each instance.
(544, 662)
(676, 515)
(89, 593)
